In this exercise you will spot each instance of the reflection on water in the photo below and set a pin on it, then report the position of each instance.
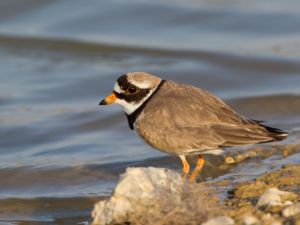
(61, 152)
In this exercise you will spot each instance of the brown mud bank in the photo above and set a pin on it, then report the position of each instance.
(271, 198)
(160, 196)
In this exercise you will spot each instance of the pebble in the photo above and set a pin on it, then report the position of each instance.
(249, 220)
(287, 203)
(220, 220)
(240, 157)
(291, 210)
(274, 197)
(276, 223)
(267, 216)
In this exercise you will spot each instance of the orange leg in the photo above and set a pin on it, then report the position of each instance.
(186, 166)
(197, 169)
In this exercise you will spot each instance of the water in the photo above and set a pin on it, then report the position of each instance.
(61, 152)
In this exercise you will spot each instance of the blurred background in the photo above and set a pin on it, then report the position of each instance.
(60, 152)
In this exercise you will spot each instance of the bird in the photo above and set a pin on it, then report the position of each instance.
(183, 120)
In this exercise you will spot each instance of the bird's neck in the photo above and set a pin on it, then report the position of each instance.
(132, 117)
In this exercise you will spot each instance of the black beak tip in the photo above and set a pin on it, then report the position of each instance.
(103, 102)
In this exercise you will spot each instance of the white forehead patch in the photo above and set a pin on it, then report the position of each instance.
(117, 88)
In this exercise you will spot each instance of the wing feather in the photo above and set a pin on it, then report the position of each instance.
(182, 117)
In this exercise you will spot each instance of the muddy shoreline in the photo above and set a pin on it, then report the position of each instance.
(243, 201)
(270, 198)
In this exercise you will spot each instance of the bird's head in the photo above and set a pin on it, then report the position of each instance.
(131, 90)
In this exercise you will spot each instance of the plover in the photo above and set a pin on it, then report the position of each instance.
(184, 120)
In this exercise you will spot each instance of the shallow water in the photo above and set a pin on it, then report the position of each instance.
(61, 152)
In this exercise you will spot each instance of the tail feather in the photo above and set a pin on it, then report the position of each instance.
(275, 133)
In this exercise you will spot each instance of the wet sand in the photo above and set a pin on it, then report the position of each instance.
(147, 195)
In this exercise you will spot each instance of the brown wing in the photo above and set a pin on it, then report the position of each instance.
(182, 117)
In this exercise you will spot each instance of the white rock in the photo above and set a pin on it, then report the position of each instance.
(250, 220)
(220, 220)
(276, 223)
(153, 196)
(287, 203)
(291, 210)
(272, 197)
(267, 216)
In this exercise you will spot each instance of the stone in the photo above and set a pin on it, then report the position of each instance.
(220, 220)
(291, 210)
(287, 203)
(155, 196)
(249, 220)
(274, 198)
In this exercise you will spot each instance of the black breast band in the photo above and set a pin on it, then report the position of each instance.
(133, 116)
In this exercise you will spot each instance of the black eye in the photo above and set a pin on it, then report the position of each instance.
(132, 89)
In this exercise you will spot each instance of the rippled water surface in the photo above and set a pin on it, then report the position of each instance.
(61, 152)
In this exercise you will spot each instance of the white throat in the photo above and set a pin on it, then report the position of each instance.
(130, 107)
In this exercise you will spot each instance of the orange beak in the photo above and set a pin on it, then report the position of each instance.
(109, 99)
